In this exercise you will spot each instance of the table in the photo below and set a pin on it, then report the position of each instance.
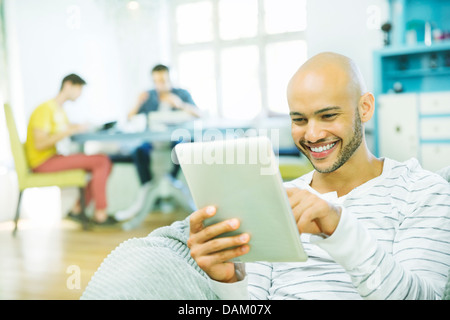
(162, 184)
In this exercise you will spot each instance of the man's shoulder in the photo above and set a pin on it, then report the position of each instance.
(180, 91)
(411, 176)
(46, 107)
(184, 95)
(300, 182)
(148, 100)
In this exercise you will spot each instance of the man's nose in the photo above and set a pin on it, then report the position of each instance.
(314, 132)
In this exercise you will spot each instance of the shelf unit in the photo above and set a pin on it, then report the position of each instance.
(414, 79)
(405, 13)
(418, 68)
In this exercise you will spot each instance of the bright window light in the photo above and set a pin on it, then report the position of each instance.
(238, 19)
(196, 74)
(133, 5)
(284, 15)
(194, 22)
(237, 56)
(4, 141)
(241, 95)
(283, 59)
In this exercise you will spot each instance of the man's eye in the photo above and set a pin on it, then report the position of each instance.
(329, 116)
(298, 120)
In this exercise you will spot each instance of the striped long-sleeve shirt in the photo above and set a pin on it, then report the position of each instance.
(392, 242)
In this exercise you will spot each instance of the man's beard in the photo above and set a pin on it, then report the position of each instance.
(346, 152)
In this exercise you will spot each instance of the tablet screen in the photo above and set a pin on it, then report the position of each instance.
(241, 178)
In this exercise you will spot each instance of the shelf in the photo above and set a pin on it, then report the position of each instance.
(413, 69)
(418, 48)
(433, 115)
(442, 71)
(435, 141)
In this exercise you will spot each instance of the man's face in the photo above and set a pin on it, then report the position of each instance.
(161, 81)
(73, 90)
(326, 126)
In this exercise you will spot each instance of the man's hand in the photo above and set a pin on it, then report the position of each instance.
(313, 214)
(176, 102)
(76, 128)
(213, 254)
(44, 140)
(172, 99)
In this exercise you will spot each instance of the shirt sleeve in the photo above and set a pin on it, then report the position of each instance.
(254, 284)
(185, 96)
(151, 104)
(42, 119)
(232, 291)
(410, 271)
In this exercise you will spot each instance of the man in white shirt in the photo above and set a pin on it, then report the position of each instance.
(383, 226)
(372, 228)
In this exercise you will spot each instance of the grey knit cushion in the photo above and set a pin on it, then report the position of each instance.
(158, 266)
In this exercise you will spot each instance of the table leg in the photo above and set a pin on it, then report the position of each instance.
(164, 188)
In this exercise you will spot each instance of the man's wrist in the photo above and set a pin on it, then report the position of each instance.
(230, 291)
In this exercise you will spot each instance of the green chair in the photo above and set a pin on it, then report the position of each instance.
(29, 179)
(293, 167)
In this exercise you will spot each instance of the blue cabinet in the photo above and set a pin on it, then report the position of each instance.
(409, 20)
(417, 62)
(418, 68)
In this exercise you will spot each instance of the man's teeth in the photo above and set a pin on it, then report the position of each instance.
(323, 148)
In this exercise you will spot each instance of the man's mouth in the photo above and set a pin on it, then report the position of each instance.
(320, 151)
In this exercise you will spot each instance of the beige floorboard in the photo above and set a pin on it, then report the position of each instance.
(57, 262)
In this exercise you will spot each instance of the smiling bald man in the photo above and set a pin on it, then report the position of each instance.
(373, 228)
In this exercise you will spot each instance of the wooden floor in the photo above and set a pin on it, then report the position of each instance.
(57, 262)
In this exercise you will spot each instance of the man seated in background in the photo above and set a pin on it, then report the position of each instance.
(49, 125)
(164, 97)
(373, 228)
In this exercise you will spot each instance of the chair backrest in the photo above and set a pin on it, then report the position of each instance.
(17, 148)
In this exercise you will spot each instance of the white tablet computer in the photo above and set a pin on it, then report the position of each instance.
(242, 179)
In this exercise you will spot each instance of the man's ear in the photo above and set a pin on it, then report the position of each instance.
(366, 106)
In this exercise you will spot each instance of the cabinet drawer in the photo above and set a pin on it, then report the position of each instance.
(435, 156)
(435, 128)
(398, 133)
(435, 103)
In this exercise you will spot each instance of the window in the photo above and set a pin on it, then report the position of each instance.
(284, 15)
(238, 19)
(241, 97)
(194, 22)
(236, 56)
(282, 60)
(196, 72)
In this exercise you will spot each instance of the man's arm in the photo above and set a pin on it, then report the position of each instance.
(418, 264)
(191, 109)
(135, 110)
(44, 140)
(182, 101)
(213, 254)
(255, 283)
(227, 279)
(375, 273)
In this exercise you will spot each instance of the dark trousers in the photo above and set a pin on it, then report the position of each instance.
(142, 160)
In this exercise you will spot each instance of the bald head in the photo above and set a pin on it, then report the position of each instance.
(328, 71)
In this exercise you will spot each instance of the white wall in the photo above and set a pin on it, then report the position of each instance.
(347, 27)
(114, 49)
(111, 47)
